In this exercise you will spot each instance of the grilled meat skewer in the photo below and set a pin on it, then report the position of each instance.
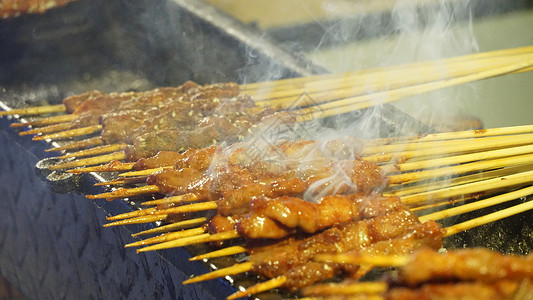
(294, 256)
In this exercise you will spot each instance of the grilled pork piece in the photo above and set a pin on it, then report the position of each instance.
(276, 218)
(234, 179)
(165, 132)
(72, 102)
(294, 257)
(197, 96)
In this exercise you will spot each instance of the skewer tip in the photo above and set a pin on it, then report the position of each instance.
(260, 287)
(219, 253)
(232, 270)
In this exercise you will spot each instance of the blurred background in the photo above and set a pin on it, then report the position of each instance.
(344, 35)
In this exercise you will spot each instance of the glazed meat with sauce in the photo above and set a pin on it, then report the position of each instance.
(170, 140)
(90, 107)
(276, 218)
(148, 140)
(74, 101)
(233, 181)
(294, 257)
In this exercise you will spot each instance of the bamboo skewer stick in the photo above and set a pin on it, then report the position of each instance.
(174, 199)
(69, 133)
(37, 110)
(493, 183)
(476, 222)
(122, 181)
(165, 237)
(138, 220)
(95, 141)
(260, 287)
(400, 190)
(90, 161)
(124, 193)
(95, 151)
(195, 207)
(442, 203)
(47, 129)
(132, 214)
(219, 253)
(456, 135)
(144, 172)
(46, 121)
(233, 270)
(442, 161)
(202, 238)
(477, 205)
(447, 147)
(463, 168)
(117, 182)
(114, 166)
(172, 226)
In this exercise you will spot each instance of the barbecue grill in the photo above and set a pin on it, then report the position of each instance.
(52, 242)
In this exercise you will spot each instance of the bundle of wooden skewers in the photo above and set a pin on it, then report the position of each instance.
(288, 203)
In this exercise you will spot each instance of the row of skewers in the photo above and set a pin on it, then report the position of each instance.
(268, 213)
(220, 112)
(462, 274)
(187, 148)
